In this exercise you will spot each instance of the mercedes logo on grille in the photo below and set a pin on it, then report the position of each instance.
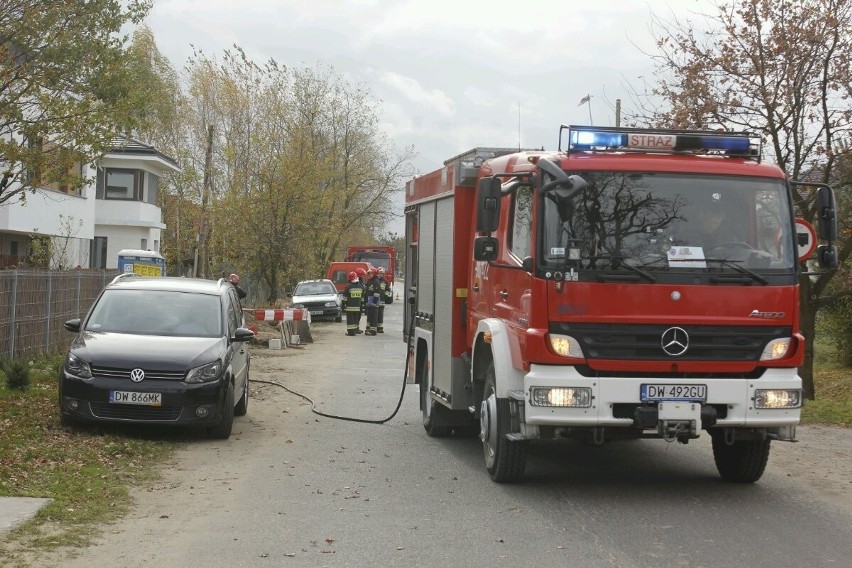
(136, 375)
(674, 341)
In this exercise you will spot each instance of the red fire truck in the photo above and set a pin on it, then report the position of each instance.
(378, 256)
(584, 294)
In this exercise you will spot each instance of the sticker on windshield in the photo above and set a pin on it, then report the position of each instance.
(686, 257)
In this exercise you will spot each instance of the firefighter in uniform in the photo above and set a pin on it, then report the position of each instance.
(384, 289)
(362, 277)
(372, 293)
(353, 298)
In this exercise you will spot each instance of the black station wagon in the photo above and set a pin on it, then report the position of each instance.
(169, 351)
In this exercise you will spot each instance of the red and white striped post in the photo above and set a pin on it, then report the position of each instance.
(287, 314)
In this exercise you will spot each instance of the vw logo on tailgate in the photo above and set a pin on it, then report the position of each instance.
(136, 375)
(674, 341)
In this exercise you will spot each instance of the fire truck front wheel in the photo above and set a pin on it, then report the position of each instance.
(504, 459)
(740, 461)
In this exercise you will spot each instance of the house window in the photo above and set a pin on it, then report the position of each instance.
(55, 168)
(156, 246)
(144, 244)
(123, 184)
(98, 253)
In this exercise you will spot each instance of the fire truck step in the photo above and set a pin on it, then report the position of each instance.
(517, 395)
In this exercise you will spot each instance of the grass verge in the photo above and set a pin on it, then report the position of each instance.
(87, 471)
(833, 389)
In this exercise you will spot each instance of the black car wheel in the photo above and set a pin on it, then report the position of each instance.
(242, 405)
(222, 430)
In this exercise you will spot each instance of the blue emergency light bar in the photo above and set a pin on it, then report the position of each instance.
(607, 139)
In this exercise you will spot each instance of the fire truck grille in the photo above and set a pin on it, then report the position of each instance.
(645, 342)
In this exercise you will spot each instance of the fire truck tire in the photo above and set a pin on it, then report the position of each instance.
(505, 460)
(434, 420)
(742, 462)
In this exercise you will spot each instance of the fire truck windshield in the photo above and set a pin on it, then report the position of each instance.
(377, 259)
(668, 222)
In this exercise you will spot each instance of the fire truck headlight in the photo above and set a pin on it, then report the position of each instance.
(576, 397)
(565, 346)
(776, 349)
(778, 398)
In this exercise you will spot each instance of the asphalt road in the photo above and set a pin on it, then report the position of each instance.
(291, 488)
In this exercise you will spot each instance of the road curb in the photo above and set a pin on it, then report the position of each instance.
(16, 510)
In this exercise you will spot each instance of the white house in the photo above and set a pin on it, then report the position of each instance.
(116, 209)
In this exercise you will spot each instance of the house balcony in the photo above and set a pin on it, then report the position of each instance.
(128, 213)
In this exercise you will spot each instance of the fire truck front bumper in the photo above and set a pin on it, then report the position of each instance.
(560, 396)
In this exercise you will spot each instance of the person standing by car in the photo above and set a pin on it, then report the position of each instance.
(372, 291)
(353, 298)
(235, 282)
(384, 288)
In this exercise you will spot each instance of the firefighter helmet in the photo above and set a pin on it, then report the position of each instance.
(360, 271)
(353, 276)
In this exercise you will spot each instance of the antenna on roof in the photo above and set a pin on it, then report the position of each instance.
(519, 126)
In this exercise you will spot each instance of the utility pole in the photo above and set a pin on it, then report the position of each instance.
(205, 198)
(617, 112)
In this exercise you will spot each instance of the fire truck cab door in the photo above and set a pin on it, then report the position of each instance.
(505, 286)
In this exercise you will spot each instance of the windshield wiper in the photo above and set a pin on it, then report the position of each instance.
(752, 276)
(644, 274)
(730, 264)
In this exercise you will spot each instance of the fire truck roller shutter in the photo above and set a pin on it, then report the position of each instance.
(426, 260)
(507, 376)
(444, 292)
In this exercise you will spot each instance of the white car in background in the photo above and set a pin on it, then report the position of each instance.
(319, 297)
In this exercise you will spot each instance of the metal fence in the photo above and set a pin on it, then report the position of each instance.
(35, 303)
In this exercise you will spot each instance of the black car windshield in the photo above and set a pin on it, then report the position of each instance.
(668, 222)
(157, 312)
(314, 289)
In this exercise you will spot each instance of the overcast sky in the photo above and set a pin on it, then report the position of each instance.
(451, 75)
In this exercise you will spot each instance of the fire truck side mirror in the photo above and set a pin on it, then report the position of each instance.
(488, 205)
(485, 248)
(827, 257)
(827, 214)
